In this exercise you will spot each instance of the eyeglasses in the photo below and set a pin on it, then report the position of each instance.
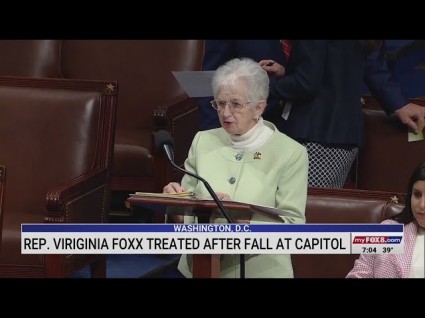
(234, 106)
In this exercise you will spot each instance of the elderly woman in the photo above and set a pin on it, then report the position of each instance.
(247, 160)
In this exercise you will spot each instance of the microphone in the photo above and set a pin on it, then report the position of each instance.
(164, 142)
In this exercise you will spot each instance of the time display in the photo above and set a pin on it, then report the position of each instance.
(368, 250)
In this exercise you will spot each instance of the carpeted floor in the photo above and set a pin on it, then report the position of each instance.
(138, 266)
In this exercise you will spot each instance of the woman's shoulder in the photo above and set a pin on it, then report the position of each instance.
(211, 133)
(215, 136)
(390, 221)
(409, 228)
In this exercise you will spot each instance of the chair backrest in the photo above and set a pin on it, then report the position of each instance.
(32, 58)
(387, 158)
(56, 142)
(2, 186)
(143, 69)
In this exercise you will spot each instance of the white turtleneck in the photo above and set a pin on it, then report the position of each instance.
(252, 139)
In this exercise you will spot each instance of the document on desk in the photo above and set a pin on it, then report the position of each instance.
(195, 83)
(180, 195)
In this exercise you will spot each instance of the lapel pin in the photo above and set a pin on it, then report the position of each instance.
(257, 155)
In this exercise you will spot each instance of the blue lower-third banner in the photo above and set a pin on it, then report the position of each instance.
(211, 238)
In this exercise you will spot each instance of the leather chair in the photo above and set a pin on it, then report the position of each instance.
(2, 186)
(387, 158)
(150, 99)
(56, 142)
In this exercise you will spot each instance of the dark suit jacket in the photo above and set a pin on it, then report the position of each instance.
(381, 84)
(323, 82)
(217, 52)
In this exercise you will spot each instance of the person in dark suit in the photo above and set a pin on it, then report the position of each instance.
(320, 89)
(217, 52)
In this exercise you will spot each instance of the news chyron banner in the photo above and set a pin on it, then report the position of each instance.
(211, 238)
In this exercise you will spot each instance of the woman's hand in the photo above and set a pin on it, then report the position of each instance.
(223, 196)
(272, 67)
(242, 221)
(173, 187)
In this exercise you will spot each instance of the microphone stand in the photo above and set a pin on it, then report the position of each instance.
(215, 198)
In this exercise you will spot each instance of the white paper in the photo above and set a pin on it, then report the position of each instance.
(195, 83)
(286, 110)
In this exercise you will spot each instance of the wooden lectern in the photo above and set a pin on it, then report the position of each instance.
(206, 265)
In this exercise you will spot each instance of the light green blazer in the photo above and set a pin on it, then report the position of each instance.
(273, 175)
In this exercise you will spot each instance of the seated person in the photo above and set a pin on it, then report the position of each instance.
(410, 264)
(246, 160)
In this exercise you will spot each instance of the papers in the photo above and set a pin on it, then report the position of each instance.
(415, 137)
(195, 83)
(181, 195)
(286, 110)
